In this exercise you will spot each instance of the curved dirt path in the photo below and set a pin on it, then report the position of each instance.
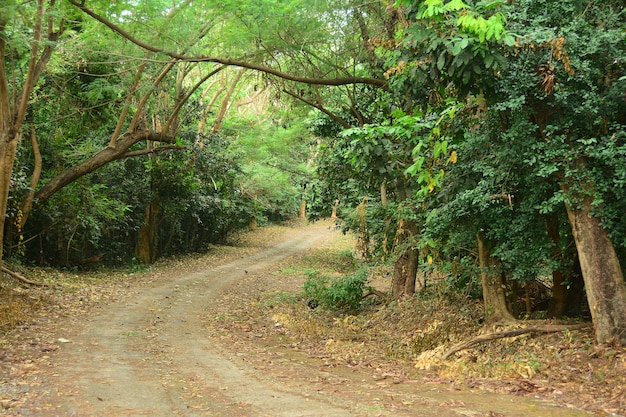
(149, 355)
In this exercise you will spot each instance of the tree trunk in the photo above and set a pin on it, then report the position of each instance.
(12, 114)
(602, 274)
(27, 204)
(405, 266)
(302, 213)
(8, 147)
(558, 304)
(147, 234)
(494, 296)
(333, 214)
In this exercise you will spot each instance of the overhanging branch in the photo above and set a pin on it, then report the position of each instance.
(151, 151)
(98, 160)
(321, 108)
(230, 62)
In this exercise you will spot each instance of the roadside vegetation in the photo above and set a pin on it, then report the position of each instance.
(400, 340)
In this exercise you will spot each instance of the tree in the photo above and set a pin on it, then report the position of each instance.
(14, 97)
(554, 89)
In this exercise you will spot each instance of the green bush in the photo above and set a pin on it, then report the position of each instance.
(344, 293)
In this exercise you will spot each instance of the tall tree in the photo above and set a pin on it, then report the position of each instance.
(18, 80)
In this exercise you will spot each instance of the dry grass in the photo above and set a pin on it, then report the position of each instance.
(17, 306)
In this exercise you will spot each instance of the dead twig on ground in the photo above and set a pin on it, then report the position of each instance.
(23, 278)
(374, 292)
(549, 328)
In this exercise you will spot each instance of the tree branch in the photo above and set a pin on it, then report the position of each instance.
(101, 158)
(230, 62)
(554, 328)
(321, 108)
(22, 278)
(27, 204)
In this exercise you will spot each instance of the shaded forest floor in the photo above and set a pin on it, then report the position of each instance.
(268, 316)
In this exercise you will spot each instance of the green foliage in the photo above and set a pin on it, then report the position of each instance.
(274, 162)
(554, 101)
(451, 43)
(344, 293)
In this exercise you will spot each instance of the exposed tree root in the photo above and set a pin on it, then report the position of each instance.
(547, 328)
(22, 278)
(377, 293)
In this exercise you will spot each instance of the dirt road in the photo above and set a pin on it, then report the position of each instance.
(148, 354)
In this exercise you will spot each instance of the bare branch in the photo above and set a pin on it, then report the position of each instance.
(27, 204)
(512, 333)
(320, 108)
(180, 104)
(30, 78)
(22, 278)
(129, 98)
(225, 102)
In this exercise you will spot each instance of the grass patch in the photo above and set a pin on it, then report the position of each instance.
(338, 293)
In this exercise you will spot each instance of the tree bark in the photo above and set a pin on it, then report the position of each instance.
(105, 156)
(147, 235)
(8, 148)
(12, 116)
(302, 212)
(602, 273)
(405, 266)
(494, 297)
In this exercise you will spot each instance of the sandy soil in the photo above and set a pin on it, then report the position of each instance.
(147, 352)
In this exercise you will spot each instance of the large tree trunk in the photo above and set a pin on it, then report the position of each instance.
(406, 265)
(602, 273)
(494, 296)
(8, 147)
(12, 115)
